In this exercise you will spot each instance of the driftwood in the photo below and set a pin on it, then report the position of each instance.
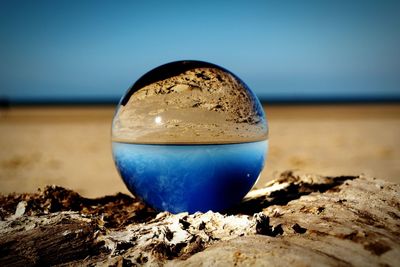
(296, 220)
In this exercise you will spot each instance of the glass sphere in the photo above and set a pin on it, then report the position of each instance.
(189, 136)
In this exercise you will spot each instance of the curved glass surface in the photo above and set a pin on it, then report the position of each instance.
(189, 102)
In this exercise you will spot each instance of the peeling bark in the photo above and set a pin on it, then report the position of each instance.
(296, 220)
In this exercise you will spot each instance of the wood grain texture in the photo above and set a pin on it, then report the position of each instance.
(297, 219)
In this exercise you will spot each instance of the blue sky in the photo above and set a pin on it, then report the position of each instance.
(285, 50)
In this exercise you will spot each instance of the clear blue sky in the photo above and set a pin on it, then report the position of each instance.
(94, 50)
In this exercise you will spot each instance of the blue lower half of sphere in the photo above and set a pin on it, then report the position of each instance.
(190, 178)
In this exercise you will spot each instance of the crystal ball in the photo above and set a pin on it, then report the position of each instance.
(189, 136)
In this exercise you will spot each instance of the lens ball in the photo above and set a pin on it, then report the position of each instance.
(189, 136)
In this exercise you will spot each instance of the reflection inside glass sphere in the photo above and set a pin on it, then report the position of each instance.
(189, 136)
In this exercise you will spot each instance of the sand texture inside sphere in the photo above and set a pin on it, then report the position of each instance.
(201, 105)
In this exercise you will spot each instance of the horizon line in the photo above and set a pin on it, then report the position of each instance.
(90, 101)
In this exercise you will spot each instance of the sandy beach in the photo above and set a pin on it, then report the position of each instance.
(71, 146)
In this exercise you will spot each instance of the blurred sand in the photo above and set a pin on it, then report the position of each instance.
(70, 146)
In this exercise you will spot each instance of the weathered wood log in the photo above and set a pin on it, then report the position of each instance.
(297, 220)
